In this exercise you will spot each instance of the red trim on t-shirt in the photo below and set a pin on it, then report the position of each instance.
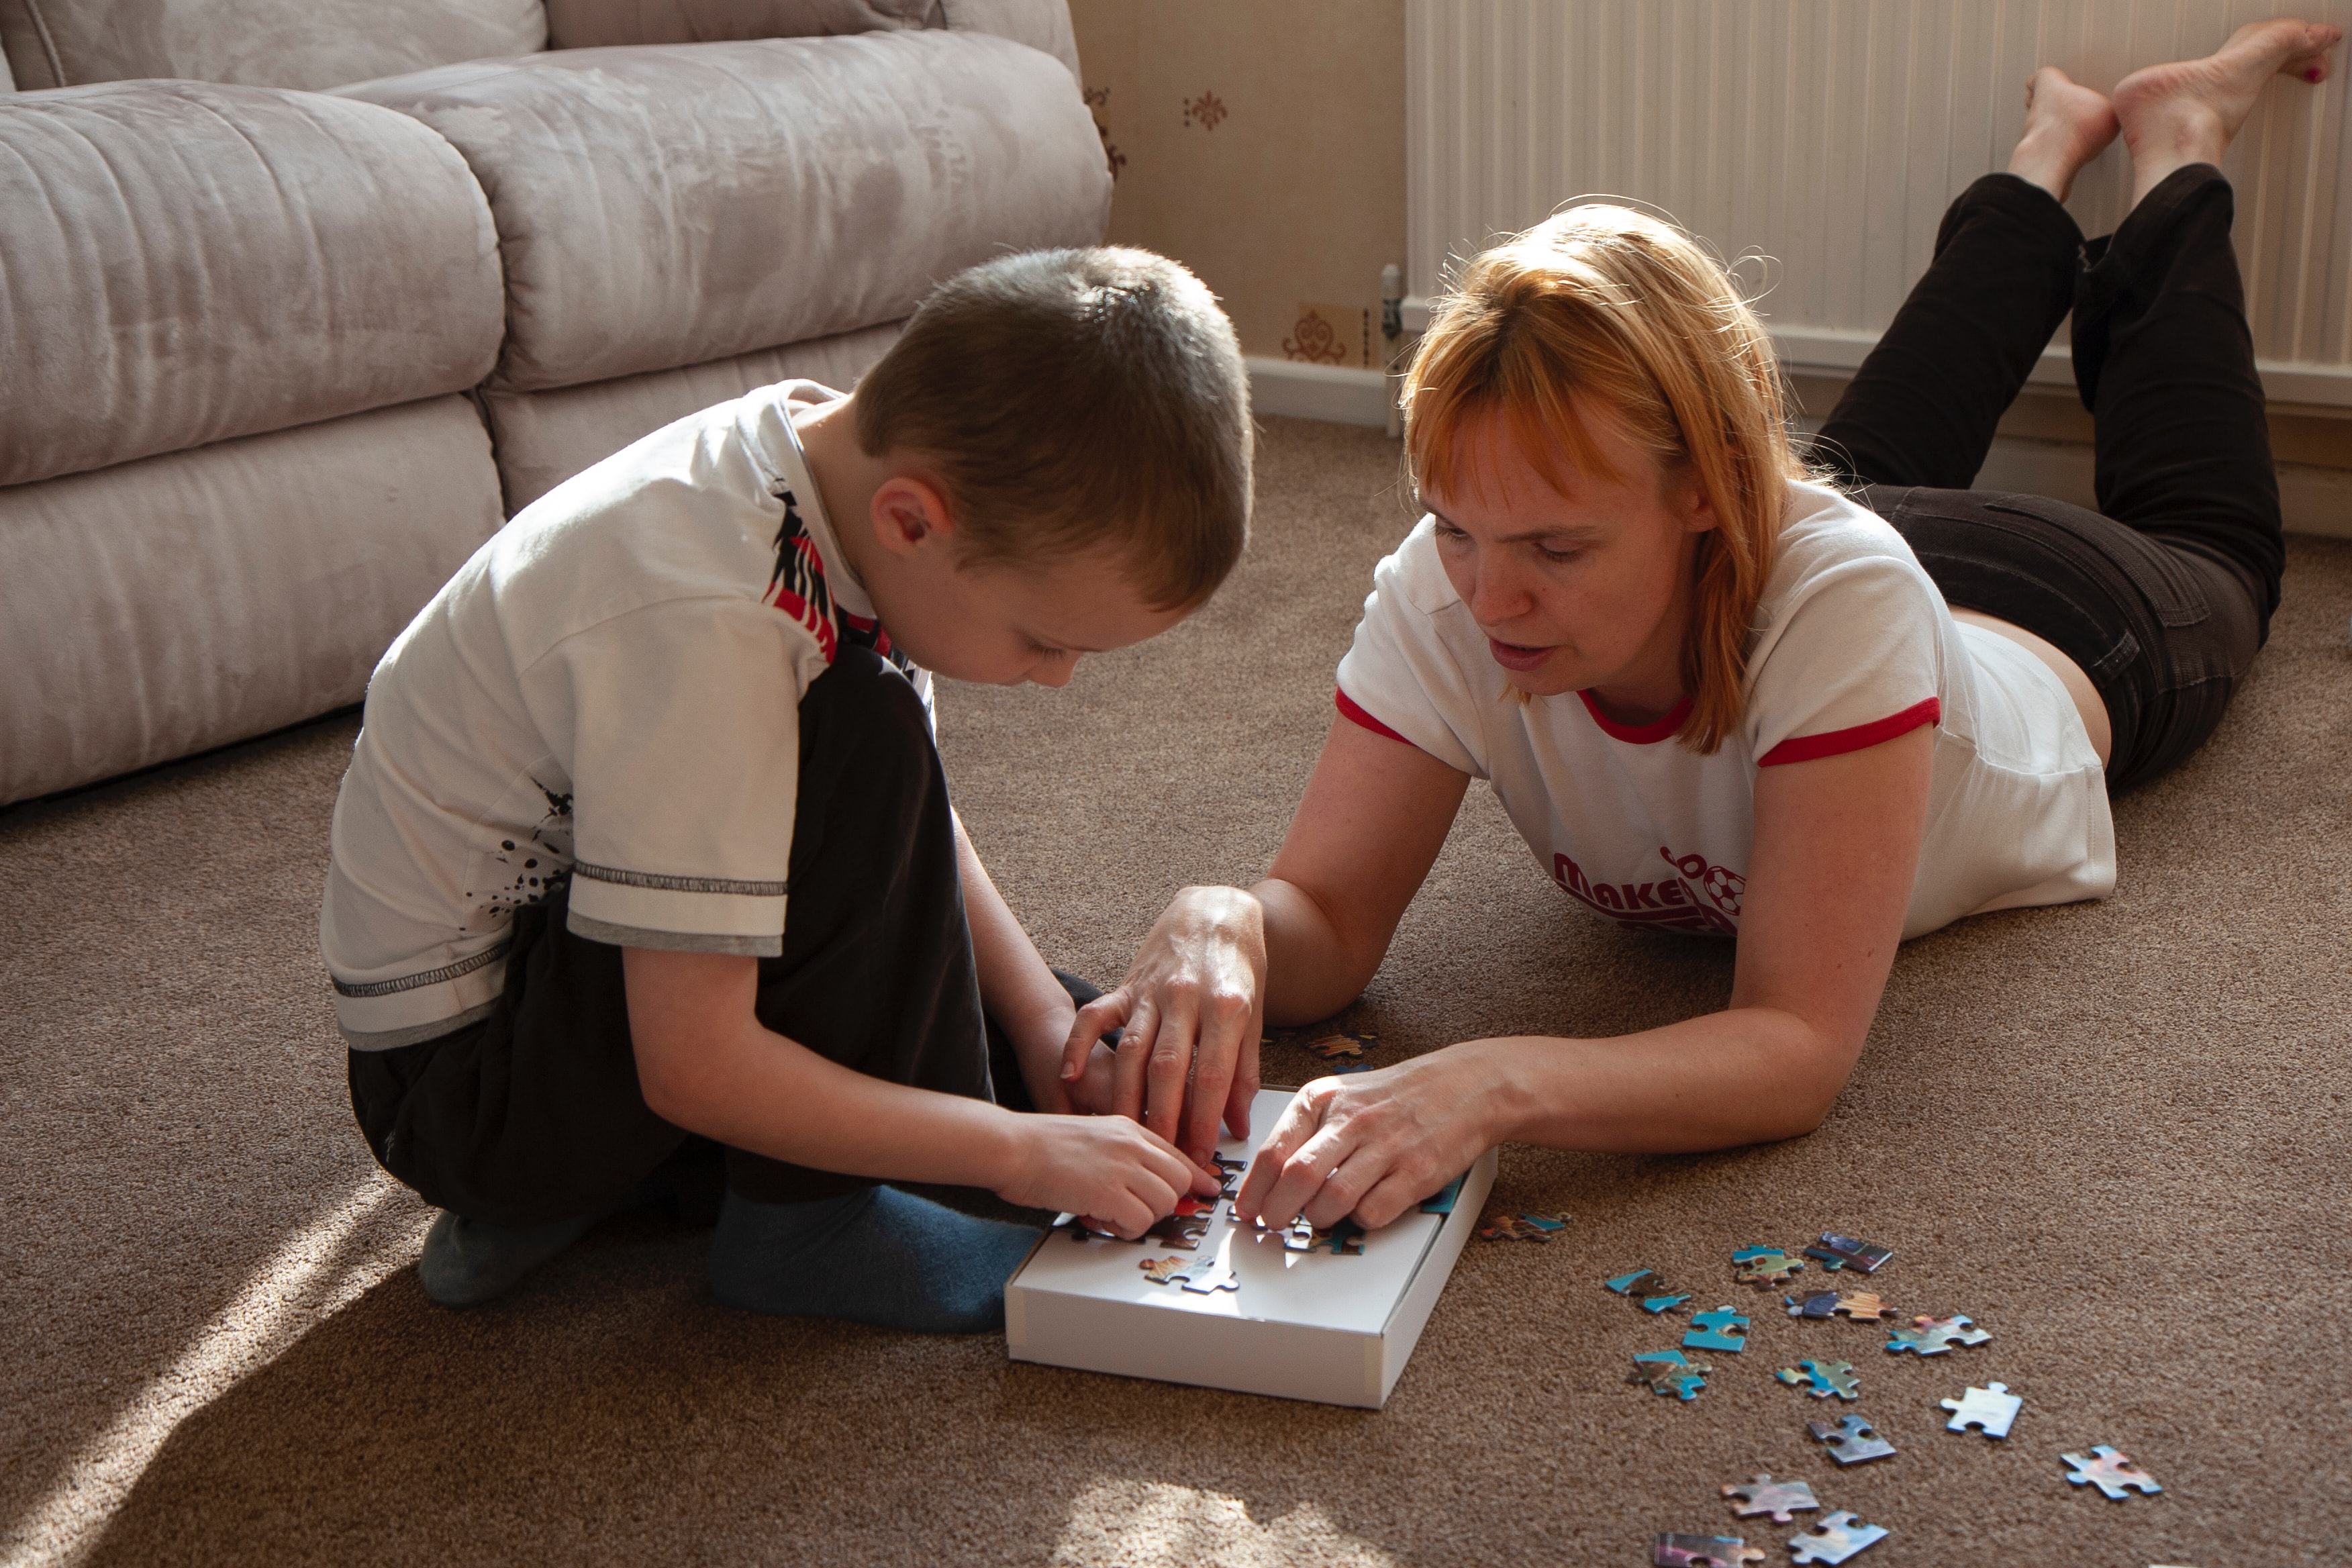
(1805, 747)
(1638, 734)
(1353, 711)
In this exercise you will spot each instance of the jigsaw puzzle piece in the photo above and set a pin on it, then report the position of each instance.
(1181, 1231)
(1989, 1410)
(1623, 1284)
(1851, 1441)
(1443, 1203)
(1822, 1378)
(2112, 1471)
(1820, 1304)
(1164, 1270)
(1862, 1307)
(1522, 1228)
(1210, 1276)
(1343, 1239)
(1720, 1329)
(1230, 1169)
(1934, 1336)
(1298, 1236)
(1836, 1252)
(1763, 1267)
(1654, 1305)
(1671, 1551)
(1345, 1045)
(1836, 1539)
(1782, 1500)
(1669, 1372)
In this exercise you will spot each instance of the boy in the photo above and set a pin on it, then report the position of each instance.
(645, 858)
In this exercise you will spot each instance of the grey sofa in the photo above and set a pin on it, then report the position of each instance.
(279, 346)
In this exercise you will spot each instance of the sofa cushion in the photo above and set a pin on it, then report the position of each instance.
(190, 600)
(545, 437)
(186, 262)
(668, 204)
(261, 43)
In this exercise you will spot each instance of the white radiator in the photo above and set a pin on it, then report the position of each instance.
(1821, 140)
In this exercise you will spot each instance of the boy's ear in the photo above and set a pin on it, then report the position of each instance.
(907, 512)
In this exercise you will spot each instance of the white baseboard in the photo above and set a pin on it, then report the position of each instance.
(1338, 394)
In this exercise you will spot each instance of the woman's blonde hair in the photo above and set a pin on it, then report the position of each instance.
(1625, 313)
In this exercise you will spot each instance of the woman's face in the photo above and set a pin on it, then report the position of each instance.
(1583, 587)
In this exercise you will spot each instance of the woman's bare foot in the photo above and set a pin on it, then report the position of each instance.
(2066, 126)
(2186, 112)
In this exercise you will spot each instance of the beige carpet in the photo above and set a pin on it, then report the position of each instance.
(2114, 1135)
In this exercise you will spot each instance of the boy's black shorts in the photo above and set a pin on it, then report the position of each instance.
(533, 1113)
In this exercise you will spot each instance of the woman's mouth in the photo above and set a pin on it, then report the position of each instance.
(1512, 655)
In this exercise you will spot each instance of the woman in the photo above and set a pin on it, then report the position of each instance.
(1716, 693)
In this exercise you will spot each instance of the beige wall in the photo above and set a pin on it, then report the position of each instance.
(1262, 143)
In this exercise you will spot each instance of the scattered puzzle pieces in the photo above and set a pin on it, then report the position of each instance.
(1836, 1252)
(1989, 1410)
(1862, 1307)
(1348, 1045)
(1782, 1500)
(1825, 1377)
(1672, 1550)
(1721, 1329)
(1669, 1372)
(1763, 1267)
(2112, 1472)
(1851, 1441)
(1836, 1539)
(1934, 1336)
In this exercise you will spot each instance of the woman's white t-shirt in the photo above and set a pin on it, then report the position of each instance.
(1852, 646)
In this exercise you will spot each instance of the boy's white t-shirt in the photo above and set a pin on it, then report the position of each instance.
(609, 688)
(1854, 646)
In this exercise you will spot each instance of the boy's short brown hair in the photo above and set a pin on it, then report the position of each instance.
(1071, 399)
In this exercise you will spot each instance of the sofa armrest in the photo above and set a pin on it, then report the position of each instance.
(1042, 24)
(604, 24)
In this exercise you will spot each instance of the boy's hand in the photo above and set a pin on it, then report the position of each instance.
(1115, 1172)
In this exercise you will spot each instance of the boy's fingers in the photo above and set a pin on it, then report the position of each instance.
(1134, 1056)
(1096, 1019)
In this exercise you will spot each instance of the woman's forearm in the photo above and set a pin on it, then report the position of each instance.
(1746, 1075)
(1312, 969)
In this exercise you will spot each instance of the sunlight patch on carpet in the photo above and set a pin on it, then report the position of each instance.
(1157, 1524)
(320, 1269)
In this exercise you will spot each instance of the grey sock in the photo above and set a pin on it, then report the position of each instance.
(879, 1256)
(469, 1261)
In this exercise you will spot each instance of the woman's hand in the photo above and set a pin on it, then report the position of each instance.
(1190, 1010)
(1373, 1144)
(1118, 1175)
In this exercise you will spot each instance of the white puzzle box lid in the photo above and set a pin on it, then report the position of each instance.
(1329, 1316)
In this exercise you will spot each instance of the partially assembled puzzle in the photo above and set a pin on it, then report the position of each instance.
(1327, 1313)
